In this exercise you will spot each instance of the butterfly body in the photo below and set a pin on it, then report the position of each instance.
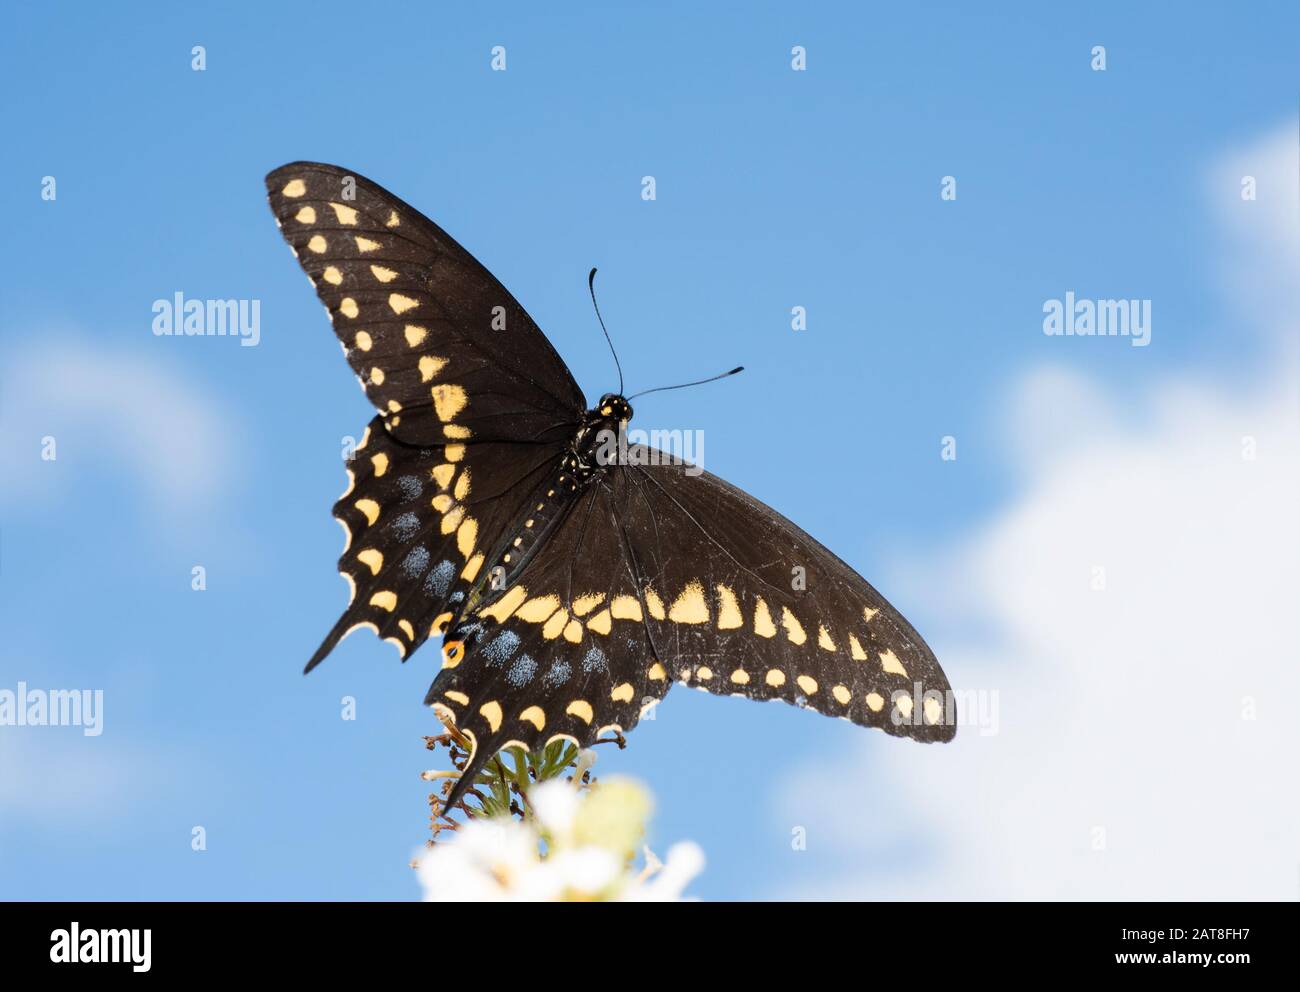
(571, 577)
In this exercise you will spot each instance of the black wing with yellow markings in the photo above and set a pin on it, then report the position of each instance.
(569, 592)
(665, 575)
(442, 349)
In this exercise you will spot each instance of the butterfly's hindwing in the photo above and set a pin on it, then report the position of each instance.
(442, 349)
(416, 523)
(743, 602)
(562, 652)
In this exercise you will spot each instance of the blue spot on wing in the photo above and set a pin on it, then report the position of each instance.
(410, 486)
(522, 671)
(499, 650)
(414, 564)
(595, 661)
(406, 525)
(437, 582)
(559, 673)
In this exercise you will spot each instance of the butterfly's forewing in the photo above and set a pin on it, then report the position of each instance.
(563, 652)
(442, 350)
(417, 521)
(743, 602)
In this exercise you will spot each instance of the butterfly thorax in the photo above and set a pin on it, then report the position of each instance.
(596, 442)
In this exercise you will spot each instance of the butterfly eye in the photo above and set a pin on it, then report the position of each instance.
(452, 652)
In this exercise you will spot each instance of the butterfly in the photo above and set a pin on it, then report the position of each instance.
(570, 586)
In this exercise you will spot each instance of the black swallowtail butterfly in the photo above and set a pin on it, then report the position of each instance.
(569, 593)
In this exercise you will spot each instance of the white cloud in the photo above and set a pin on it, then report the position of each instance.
(1126, 709)
(112, 408)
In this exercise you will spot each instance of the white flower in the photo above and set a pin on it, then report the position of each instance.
(589, 837)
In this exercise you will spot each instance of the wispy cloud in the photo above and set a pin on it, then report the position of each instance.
(110, 409)
(1147, 728)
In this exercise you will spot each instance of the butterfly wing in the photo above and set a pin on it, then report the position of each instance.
(562, 653)
(441, 348)
(417, 526)
(743, 602)
(474, 404)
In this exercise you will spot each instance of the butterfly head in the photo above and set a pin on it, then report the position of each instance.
(614, 407)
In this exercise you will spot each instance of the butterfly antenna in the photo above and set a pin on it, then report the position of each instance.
(698, 382)
(591, 285)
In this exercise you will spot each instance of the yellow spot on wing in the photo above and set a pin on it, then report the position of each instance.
(868, 613)
(890, 663)
(442, 502)
(856, 649)
(763, 625)
(346, 215)
(363, 341)
(654, 604)
(372, 558)
(388, 275)
(555, 625)
(875, 701)
(932, 709)
(622, 693)
(393, 221)
(740, 677)
(461, 489)
(377, 376)
(448, 400)
(600, 623)
(573, 632)
(842, 695)
(294, 188)
(538, 609)
(625, 608)
(348, 307)
(491, 712)
(690, 606)
(317, 244)
(466, 536)
(904, 704)
(332, 275)
(506, 605)
(535, 716)
(452, 519)
(307, 215)
(793, 628)
(729, 616)
(470, 571)
(380, 461)
(415, 334)
(824, 639)
(442, 475)
(581, 709)
(457, 697)
(385, 600)
(430, 366)
(454, 452)
(370, 508)
(704, 673)
(457, 432)
(775, 678)
(656, 673)
(407, 629)
(807, 683)
(585, 604)
(365, 244)
(400, 303)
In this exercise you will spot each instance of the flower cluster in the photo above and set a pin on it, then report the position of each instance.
(576, 842)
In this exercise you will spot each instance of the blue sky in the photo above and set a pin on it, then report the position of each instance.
(775, 189)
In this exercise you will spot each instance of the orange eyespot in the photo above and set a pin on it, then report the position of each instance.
(452, 652)
(440, 625)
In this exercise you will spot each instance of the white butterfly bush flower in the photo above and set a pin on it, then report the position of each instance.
(577, 845)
